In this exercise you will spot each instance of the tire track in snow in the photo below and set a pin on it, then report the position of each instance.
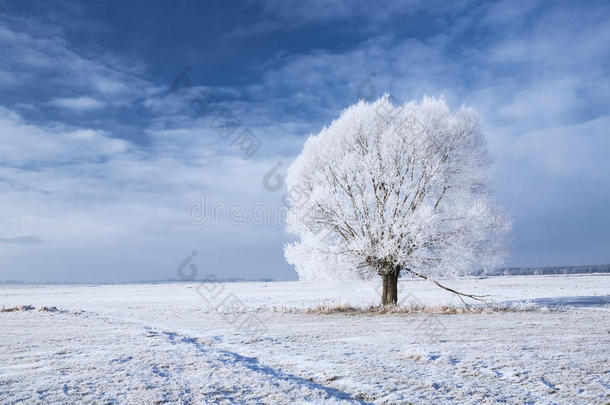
(226, 359)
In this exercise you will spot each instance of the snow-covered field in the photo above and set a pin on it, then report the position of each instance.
(163, 343)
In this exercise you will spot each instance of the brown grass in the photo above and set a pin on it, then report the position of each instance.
(40, 309)
(16, 309)
(326, 309)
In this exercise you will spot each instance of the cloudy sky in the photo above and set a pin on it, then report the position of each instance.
(120, 120)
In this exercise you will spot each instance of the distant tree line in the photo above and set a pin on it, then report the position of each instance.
(527, 271)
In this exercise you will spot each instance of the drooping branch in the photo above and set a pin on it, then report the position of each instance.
(458, 293)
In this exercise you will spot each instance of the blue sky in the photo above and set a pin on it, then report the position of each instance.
(100, 158)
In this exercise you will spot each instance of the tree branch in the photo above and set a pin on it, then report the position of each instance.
(458, 293)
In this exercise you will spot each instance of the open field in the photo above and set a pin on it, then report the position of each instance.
(164, 343)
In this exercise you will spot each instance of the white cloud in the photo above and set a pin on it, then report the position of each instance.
(101, 204)
(78, 104)
(27, 144)
(370, 15)
(23, 240)
(573, 152)
(30, 51)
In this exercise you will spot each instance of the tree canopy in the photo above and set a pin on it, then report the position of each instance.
(388, 188)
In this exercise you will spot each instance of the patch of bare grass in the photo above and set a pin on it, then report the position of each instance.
(39, 309)
(344, 308)
(18, 309)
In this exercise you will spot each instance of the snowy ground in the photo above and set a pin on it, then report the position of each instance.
(163, 343)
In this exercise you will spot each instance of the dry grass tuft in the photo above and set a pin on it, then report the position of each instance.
(331, 309)
(39, 309)
(418, 309)
(16, 309)
(49, 309)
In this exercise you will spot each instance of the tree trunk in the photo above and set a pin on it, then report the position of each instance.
(389, 296)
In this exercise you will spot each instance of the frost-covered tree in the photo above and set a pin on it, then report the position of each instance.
(387, 189)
